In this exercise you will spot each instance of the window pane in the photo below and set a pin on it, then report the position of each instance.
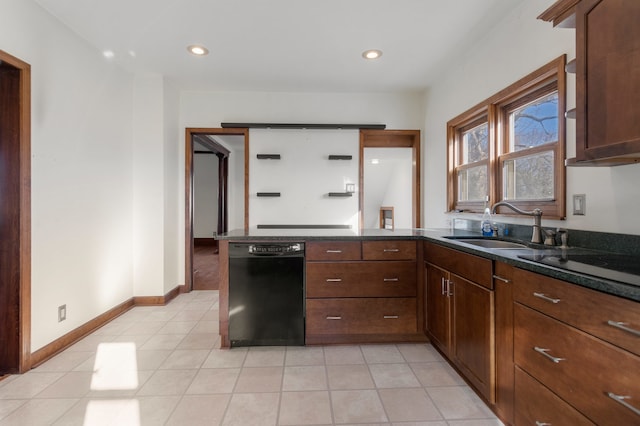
(529, 178)
(534, 124)
(472, 184)
(475, 144)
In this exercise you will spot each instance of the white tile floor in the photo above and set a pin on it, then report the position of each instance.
(162, 366)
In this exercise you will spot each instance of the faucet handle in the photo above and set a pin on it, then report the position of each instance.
(550, 237)
(564, 236)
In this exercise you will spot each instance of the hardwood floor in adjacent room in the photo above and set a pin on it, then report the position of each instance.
(205, 266)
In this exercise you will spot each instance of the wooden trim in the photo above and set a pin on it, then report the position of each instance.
(526, 87)
(340, 339)
(62, 343)
(46, 352)
(393, 139)
(561, 13)
(204, 241)
(188, 190)
(24, 194)
(159, 300)
(302, 126)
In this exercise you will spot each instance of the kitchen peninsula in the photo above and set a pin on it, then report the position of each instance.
(484, 308)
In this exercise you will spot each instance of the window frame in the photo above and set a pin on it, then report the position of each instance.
(547, 79)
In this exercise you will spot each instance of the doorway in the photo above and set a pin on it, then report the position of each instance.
(15, 214)
(389, 164)
(215, 162)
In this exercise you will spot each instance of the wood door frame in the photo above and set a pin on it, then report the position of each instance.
(21, 168)
(188, 194)
(393, 139)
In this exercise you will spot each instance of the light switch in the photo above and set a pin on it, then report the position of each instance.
(579, 204)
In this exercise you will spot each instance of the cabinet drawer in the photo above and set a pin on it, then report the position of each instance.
(537, 405)
(333, 250)
(583, 371)
(610, 318)
(361, 316)
(361, 279)
(474, 268)
(389, 250)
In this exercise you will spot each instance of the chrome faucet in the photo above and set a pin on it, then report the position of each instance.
(536, 236)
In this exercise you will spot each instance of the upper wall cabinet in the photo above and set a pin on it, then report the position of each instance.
(607, 78)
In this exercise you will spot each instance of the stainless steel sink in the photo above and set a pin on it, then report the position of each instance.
(491, 243)
(494, 244)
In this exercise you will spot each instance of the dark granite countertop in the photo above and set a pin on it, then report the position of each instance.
(439, 236)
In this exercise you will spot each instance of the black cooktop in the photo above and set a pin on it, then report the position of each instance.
(613, 266)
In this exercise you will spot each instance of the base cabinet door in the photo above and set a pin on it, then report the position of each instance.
(472, 331)
(459, 322)
(438, 307)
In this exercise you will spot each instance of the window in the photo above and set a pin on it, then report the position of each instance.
(511, 147)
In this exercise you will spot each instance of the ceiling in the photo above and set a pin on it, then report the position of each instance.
(284, 45)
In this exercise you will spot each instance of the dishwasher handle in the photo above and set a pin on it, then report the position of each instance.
(275, 250)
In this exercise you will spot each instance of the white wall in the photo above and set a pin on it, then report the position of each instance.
(81, 172)
(304, 176)
(517, 46)
(205, 195)
(173, 210)
(148, 181)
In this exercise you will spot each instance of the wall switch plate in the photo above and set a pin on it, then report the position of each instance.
(62, 313)
(579, 204)
(351, 188)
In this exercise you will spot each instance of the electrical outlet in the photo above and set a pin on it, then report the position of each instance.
(62, 313)
(350, 187)
(579, 204)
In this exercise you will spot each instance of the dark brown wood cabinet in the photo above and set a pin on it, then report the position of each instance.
(607, 78)
(568, 339)
(460, 313)
(505, 380)
(363, 292)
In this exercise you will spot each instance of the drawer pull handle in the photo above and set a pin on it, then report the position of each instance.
(391, 250)
(499, 278)
(623, 326)
(334, 280)
(547, 298)
(621, 400)
(334, 251)
(391, 317)
(539, 423)
(334, 318)
(443, 283)
(391, 280)
(544, 352)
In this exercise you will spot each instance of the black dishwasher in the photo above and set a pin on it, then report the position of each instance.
(266, 294)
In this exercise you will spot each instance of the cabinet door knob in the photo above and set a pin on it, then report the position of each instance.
(504, 280)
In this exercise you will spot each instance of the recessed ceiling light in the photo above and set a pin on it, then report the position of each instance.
(372, 54)
(198, 50)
